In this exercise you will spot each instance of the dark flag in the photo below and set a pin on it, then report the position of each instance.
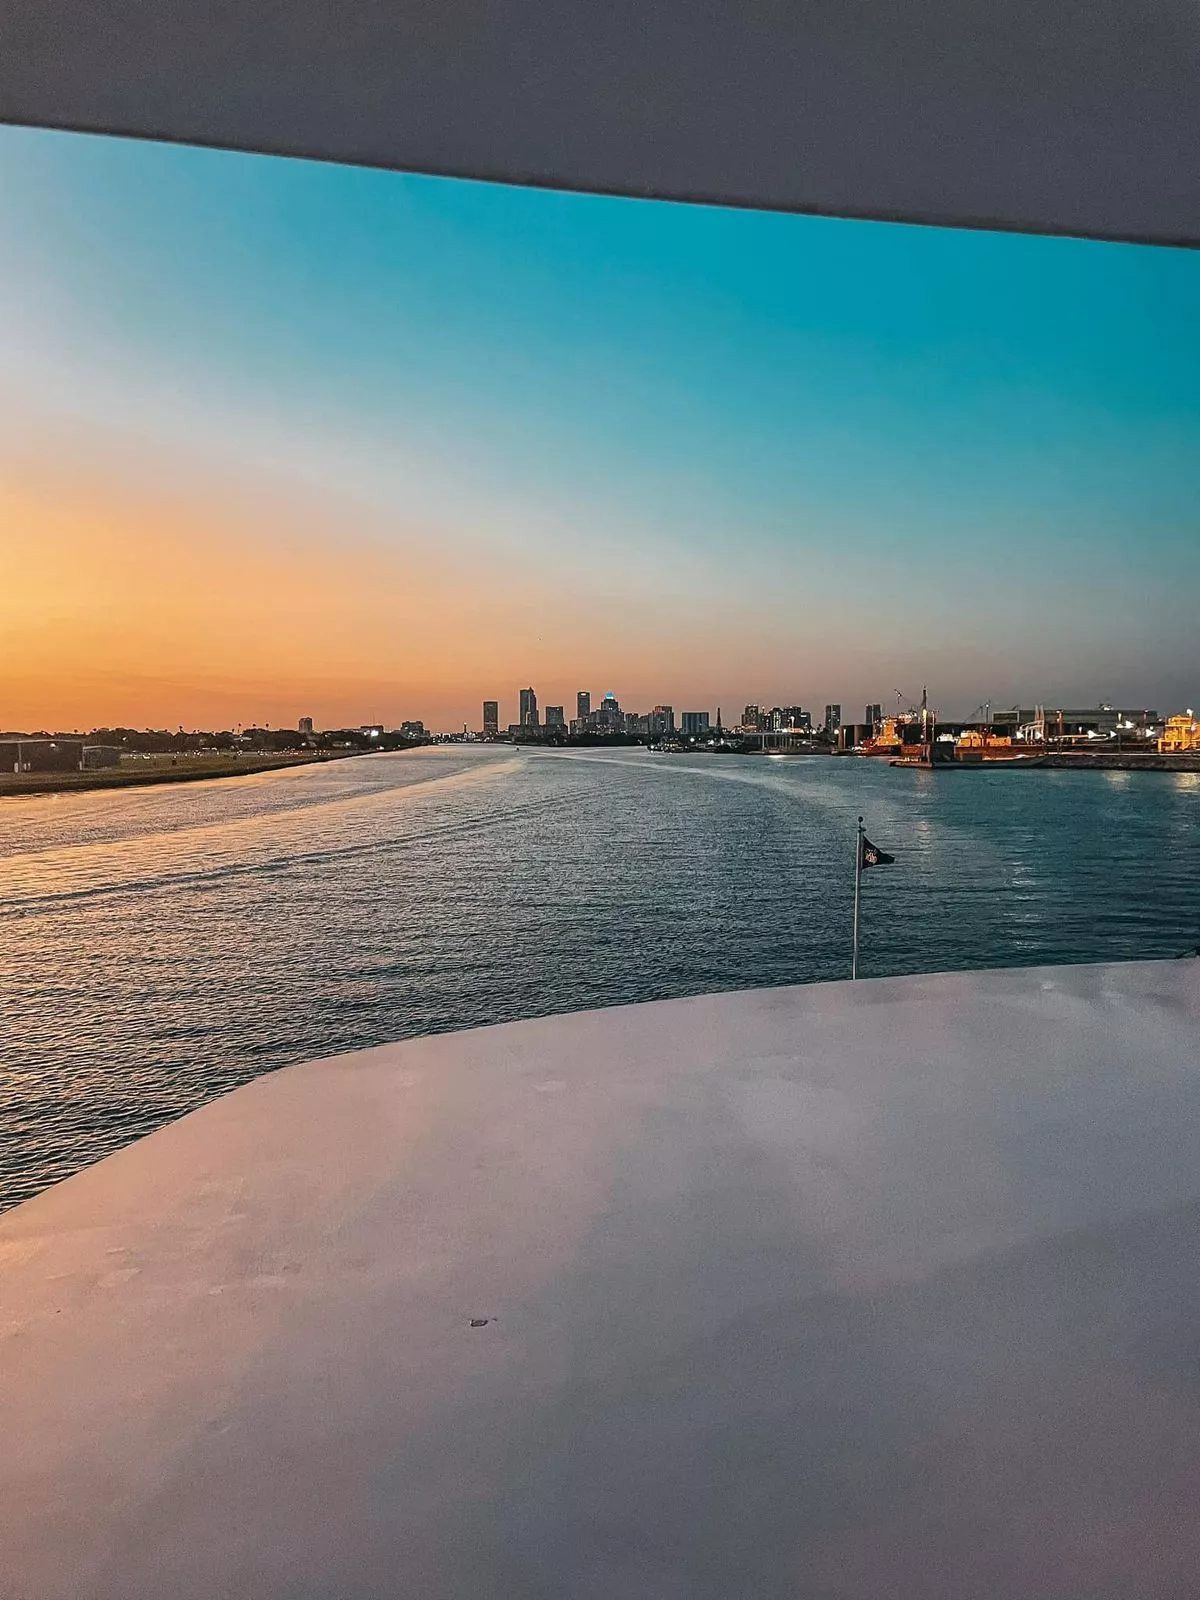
(873, 856)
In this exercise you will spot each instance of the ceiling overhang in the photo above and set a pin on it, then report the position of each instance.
(1036, 115)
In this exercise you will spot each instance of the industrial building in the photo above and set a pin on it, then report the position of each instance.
(18, 754)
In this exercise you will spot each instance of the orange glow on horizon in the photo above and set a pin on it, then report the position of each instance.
(130, 600)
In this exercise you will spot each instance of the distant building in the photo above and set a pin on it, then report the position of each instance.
(661, 722)
(41, 755)
(1180, 735)
(608, 716)
(373, 730)
(414, 729)
(583, 705)
(491, 716)
(695, 723)
(874, 716)
(752, 719)
(555, 717)
(529, 709)
(96, 756)
(833, 719)
(305, 725)
(1103, 722)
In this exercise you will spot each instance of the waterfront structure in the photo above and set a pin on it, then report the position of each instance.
(583, 705)
(529, 709)
(491, 717)
(305, 726)
(1180, 735)
(413, 729)
(41, 755)
(695, 723)
(96, 757)
(1103, 721)
(555, 717)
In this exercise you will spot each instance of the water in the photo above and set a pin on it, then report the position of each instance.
(159, 946)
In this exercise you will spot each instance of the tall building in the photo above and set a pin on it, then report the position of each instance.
(555, 717)
(529, 711)
(833, 718)
(306, 725)
(608, 717)
(661, 724)
(491, 716)
(695, 723)
(874, 716)
(583, 705)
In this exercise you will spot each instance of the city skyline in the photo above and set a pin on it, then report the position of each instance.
(282, 439)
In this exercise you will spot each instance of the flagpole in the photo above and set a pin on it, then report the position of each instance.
(858, 839)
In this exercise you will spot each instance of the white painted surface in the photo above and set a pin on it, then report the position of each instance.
(889, 1289)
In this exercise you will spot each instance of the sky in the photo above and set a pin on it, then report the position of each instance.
(280, 438)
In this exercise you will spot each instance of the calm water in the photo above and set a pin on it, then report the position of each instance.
(162, 945)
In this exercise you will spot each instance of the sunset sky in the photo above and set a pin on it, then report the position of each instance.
(283, 439)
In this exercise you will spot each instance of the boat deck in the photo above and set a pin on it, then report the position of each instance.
(867, 1290)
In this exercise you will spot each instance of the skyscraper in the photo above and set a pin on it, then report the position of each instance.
(833, 718)
(609, 718)
(874, 717)
(306, 725)
(555, 717)
(491, 716)
(695, 722)
(529, 711)
(583, 705)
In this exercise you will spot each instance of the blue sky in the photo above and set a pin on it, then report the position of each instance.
(693, 454)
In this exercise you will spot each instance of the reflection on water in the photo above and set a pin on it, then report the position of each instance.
(159, 946)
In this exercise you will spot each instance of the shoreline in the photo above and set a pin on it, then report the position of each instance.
(14, 786)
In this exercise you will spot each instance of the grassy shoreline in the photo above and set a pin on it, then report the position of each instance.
(139, 774)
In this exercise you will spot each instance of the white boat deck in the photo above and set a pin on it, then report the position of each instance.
(859, 1291)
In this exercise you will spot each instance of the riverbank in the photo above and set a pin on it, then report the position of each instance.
(1120, 761)
(143, 771)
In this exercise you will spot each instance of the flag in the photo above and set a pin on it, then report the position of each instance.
(873, 856)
